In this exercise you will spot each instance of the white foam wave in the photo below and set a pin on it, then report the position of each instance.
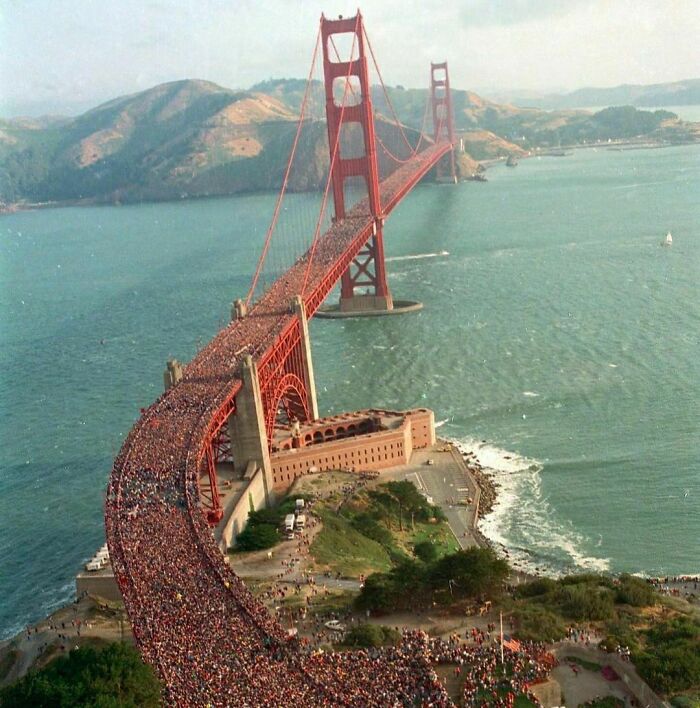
(531, 394)
(440, 423)
(522, 525)
(418, 256)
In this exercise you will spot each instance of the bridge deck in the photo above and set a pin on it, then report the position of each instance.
(193, 619)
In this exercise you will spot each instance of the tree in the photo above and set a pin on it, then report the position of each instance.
(586, 601)
(370, 527)
(475, 571)
(426, 551)
(538, 624)
(265, 516)
(114, 676)
(255, 537)
(372, 635)
(378, 593)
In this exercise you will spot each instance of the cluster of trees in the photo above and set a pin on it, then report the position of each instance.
(114, 676)
(667, 654)
(398, 505)
(545, 606)
(415, 583)
(262, 529)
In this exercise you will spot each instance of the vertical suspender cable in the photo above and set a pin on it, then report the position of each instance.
(278, 205)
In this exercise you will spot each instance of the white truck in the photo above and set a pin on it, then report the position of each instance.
(289, 525)
(299, 503)
(301, 522)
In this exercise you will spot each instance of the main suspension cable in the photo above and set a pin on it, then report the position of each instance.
(278, 204)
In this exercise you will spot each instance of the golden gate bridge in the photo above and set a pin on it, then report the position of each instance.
(209, 640)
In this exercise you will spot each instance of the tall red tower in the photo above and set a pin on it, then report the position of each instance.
(367, 270)
(443, 128)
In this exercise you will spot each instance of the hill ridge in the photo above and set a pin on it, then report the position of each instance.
(193, 137)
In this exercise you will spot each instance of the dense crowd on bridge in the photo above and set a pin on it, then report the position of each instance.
(209, 639)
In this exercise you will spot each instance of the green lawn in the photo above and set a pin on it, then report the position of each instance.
(438, 534)
(344, 550)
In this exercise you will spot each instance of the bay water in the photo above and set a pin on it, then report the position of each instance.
(559, 341)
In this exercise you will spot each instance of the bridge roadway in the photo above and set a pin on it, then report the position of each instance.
(194, 620)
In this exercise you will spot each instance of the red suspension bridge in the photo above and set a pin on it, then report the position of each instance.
(210, 641)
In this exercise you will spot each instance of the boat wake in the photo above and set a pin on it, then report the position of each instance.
(418, 256)
(522, 525)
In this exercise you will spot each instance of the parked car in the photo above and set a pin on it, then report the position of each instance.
(335, 625)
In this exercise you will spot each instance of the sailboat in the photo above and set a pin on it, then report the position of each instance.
(668, 241)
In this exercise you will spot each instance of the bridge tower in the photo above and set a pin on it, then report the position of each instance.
(367, 270)
(443, 128)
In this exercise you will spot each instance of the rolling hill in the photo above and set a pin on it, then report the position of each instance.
(676, 93)
(193, 138)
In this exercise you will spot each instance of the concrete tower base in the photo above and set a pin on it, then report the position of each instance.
(366, 303)
(365, 309)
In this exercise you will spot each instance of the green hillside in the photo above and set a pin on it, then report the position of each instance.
(194, 138)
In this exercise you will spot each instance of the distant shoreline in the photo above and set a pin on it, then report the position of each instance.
(614, 145)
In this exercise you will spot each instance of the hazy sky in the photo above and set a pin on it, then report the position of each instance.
(64, 56)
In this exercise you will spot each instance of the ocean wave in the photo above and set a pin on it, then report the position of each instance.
(522, 526)
(30, 616)
(417, 256)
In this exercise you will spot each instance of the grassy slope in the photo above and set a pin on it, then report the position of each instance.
(340, 547)
(344, 550)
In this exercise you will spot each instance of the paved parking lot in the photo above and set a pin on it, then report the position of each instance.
(448, 482)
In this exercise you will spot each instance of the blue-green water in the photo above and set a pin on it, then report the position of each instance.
(556, 329)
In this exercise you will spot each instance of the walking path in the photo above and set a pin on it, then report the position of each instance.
(630, 683)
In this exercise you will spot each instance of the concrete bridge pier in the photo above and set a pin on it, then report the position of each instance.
(238, 310)
(172, 374)
(310, 381)
(247, 428)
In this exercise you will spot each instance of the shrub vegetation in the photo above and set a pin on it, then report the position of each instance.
(262, 529)
(114, 676)
(670, 659)
(372, 635)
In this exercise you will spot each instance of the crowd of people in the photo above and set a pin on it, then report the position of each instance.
(487, 681)
(677, 585)
(210, 641)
